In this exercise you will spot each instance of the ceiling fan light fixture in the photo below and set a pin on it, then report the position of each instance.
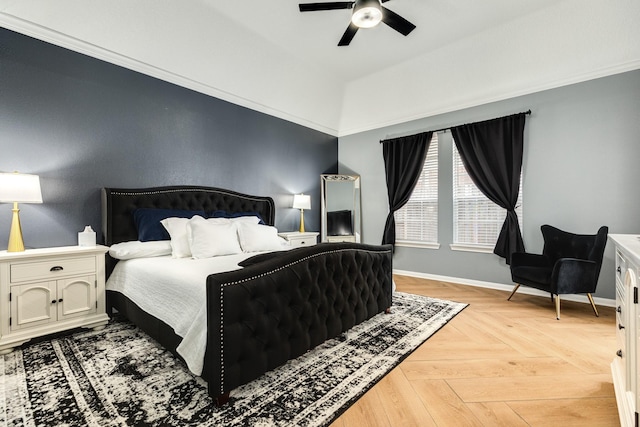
(366, 14)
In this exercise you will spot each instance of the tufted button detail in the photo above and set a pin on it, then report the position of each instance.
(280, 308)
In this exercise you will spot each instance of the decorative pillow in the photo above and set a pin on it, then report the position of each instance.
(236, 215)
(256, 237)
(148, 222)
(137, 249)
(177, 228)
(209, 238)
(249, 219)
(245, 219)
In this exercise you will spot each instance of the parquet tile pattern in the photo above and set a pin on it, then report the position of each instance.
(499, 363)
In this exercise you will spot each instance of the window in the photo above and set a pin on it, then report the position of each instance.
(417, 221)
(477, 221)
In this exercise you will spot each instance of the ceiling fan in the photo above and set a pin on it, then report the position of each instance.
(366, 14)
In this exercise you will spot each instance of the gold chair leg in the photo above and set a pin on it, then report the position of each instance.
(558, 307)
(595, 310)
(513, 292)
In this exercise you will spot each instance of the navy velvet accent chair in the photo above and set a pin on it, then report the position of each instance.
(569, 264)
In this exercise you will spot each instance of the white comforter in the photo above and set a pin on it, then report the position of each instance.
(174, 291)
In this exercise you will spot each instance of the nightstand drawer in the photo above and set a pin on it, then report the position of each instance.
(52, 268)
(296, 243)
(297, 239)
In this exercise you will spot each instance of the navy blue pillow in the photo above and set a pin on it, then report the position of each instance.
(225, 214)
(148, 222)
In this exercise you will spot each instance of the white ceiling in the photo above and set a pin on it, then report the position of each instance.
(268, 56)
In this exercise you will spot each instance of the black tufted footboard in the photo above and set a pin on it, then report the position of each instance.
(286, 303)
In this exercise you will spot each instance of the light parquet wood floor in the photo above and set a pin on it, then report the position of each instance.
(499, 363)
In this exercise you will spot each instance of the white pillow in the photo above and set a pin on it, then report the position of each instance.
(257, 237)
(211, 238)
(249, 219)
(136, 249)
(177, 229)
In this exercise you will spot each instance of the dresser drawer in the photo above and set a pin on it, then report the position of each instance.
(621, 266)
(52, 268)
(621, 340)
(620, 294)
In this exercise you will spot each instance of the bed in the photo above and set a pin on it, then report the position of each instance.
(269, 307)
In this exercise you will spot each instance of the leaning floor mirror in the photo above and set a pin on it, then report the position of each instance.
(340, 210)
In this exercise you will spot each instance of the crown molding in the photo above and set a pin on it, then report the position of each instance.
(48, 35)
(552, 84)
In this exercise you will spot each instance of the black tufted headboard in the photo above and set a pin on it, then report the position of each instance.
(118, 205)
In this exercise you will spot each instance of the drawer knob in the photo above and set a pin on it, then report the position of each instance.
(56, 268)
(60, 300)
(53, 301)
(619, 270)
(620, 326)
(619, 309)
(619, 353)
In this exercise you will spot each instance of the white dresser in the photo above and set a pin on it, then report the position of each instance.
(49, 290)
(624, 368)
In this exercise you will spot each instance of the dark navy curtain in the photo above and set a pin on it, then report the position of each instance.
(491, 152)
(403, 161)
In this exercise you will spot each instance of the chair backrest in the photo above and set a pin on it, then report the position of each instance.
(562, 244)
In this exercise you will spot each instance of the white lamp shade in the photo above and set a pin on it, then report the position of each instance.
(20, 187)
(301, 201)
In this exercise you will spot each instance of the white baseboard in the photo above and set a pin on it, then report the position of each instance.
(606, 302)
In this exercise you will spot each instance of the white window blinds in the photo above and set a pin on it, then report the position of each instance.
(477, 221)
(417, 221)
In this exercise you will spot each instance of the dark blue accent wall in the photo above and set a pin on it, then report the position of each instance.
(83, 124)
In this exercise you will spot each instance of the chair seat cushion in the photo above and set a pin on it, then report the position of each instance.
(537, 277)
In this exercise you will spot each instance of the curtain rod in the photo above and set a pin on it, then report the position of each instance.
(528, 112)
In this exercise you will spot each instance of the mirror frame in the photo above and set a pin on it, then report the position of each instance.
(356, 207)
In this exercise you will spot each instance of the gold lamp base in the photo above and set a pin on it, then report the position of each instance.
(302, 220)
(15, 235)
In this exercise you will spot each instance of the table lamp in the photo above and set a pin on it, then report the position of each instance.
(18, 188)
(302, 202)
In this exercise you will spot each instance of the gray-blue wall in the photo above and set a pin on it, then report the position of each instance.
(83, 124)
(581, 171)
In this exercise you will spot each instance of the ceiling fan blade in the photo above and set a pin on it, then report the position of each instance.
(396, 22)
(333, 5)
(348, 35)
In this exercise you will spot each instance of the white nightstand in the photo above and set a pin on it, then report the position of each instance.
(298, 239)
(49, 290)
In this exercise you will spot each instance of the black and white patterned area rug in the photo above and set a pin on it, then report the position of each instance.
(119, 376)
